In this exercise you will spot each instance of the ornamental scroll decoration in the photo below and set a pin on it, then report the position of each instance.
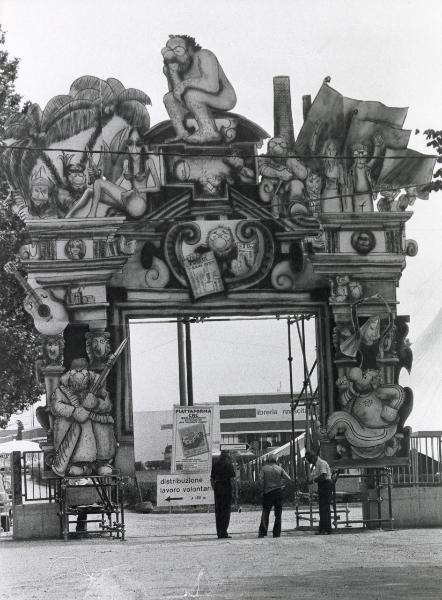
(217, 256)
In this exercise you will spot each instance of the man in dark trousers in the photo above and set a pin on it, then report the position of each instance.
(271, 478)
(322, 476)
(223, 483)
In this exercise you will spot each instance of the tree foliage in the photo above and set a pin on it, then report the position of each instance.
(434, 140)
(18, 338)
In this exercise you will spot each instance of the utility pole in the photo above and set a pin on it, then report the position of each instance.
(182, 362)
(189, 364)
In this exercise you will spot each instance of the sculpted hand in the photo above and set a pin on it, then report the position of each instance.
(378, 140)
(80, 414)
(179, 90)
(342, 383)
(90, 402)
(172, 67)
(285, 175)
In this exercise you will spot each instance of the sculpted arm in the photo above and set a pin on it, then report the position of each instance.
(152, 170)
(267, 170)
(60, 406)
(104, 404)
(297, 168)
(378, 141)
(209, 69)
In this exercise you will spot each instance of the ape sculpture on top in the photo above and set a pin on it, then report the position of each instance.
(197, 84)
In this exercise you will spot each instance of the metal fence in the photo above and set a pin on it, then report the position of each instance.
(23, 476)
(424, 466)
(425, 461)
(34, 486)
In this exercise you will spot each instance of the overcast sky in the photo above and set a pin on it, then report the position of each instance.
(376, 50)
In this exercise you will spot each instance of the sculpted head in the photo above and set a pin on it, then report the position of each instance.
(179, 50)
(75, 249)
(330, 148)
(220, 240)
(365, 381)
(41, 190)
(363, 241)
(277, 146)
(134, 142)
(313, 185)
(371, 331)
(98, 345)
(74, 173)
(53, 348)
(360, 152)
(76, 176)
(78, 378)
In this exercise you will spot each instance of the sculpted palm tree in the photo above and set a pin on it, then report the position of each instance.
(110, 98)
(91, 103)
(29, 133)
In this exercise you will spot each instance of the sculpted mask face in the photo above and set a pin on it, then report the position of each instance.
(52, 349)
(363, 241)
(75, 249)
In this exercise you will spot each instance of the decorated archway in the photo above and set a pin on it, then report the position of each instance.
(187, 218)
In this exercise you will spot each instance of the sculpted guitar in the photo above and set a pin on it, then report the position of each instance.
(50, 316)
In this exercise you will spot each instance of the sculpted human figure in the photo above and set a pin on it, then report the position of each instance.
(282, 178)
(197, 84)
(83, 426)
(129, 193)
(370, 414)
(359, 175)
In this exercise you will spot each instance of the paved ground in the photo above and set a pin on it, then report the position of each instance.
(177, 556)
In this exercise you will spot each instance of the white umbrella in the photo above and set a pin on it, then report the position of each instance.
(19, 446)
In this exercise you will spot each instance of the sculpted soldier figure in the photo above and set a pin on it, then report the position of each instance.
(83, 426)
(197, 83)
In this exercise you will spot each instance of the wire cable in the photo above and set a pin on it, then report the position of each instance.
(4, 147)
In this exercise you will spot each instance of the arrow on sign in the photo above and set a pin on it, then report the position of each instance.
(169, 499)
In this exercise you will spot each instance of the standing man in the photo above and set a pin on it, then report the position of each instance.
(271, 478)
(223, 481)
(322, 476)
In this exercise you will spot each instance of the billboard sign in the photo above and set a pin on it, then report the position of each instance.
(192, 439)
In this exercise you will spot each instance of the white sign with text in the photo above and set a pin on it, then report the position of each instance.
(184, 490)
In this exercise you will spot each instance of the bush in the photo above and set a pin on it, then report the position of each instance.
(132, 492)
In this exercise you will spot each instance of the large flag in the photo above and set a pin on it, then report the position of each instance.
(406, 168)
(349, 121)
(327, 116)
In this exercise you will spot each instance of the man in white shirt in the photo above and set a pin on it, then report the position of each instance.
(322, 476)
(271, 478)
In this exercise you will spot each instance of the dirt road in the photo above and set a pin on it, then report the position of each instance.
(178, 556)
